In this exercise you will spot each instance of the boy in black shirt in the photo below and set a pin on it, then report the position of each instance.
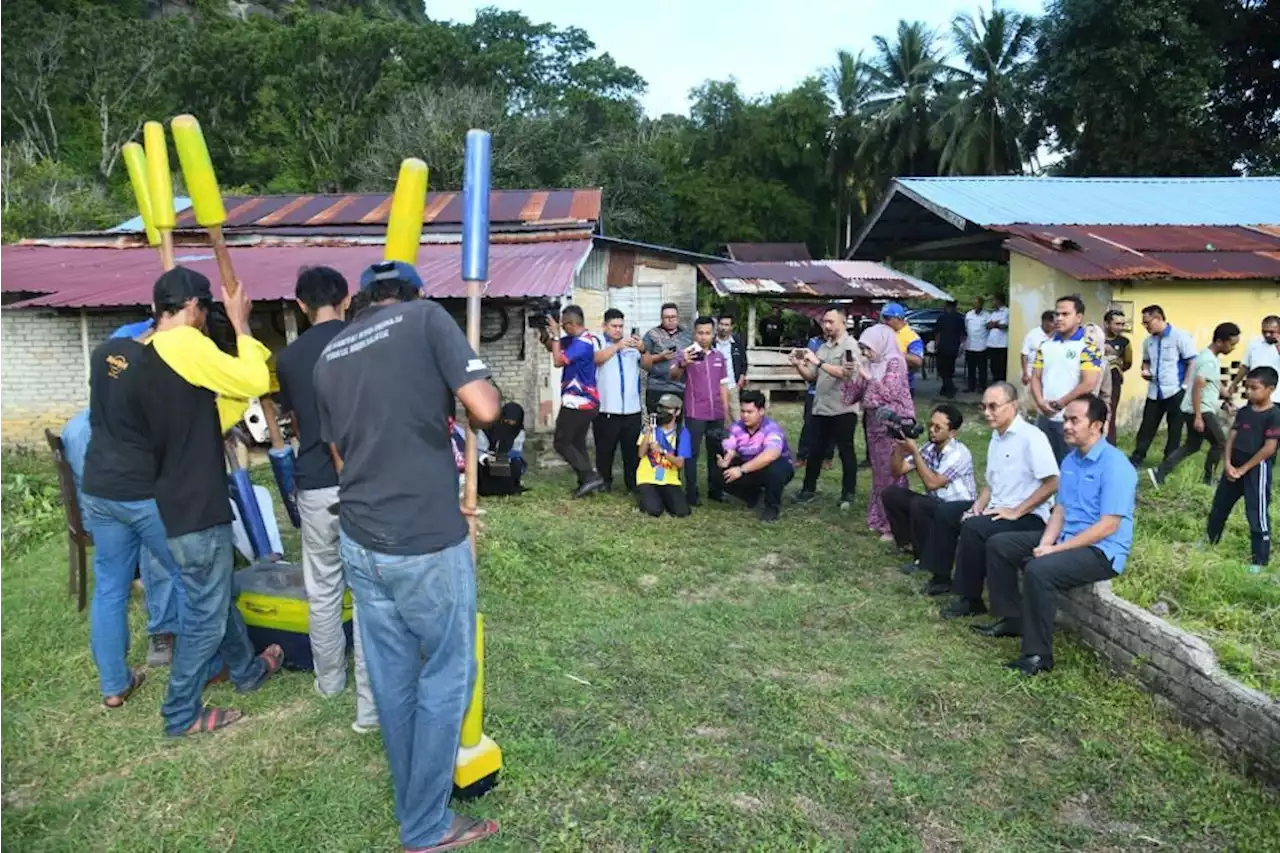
(1250, 453)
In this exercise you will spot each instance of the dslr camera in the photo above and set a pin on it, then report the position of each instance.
(899, 428)
(542, 308)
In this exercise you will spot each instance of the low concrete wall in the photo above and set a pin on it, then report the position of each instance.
(1181, 670)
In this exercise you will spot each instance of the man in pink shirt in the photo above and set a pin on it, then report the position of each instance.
(757, 459)
(707, 380)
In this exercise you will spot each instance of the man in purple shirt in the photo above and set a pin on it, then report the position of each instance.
(707, 381)
(757, 458)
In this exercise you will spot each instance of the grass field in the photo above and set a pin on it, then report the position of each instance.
(747, 688)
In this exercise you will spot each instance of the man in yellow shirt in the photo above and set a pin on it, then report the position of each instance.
(895, 317)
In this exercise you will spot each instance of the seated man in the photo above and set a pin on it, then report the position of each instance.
(945, 467)
(1087, 539)
(663, 449)
(756, 458)
(1022, 474)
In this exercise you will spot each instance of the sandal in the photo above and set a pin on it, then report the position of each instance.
(273, 657)
(211, 719)
(137, 678)
(463, 831)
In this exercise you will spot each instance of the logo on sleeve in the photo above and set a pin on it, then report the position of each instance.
(475, 365)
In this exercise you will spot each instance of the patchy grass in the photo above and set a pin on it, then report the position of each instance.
(747, 688)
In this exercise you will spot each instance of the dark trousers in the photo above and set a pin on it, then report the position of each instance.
(971, 556)
(711, 434)
(654, 500)
(910, 516)
(805, 445)
(610, 432)
(947, 372)
(975, 366)
(1213, 434)
(768, 482)
(1117, 382)
(572, 426)
(998, 358)
(1255, 488)
(838, 431)
(1170, 409)
(1053, 431)
(940, 545)
(1042, 579)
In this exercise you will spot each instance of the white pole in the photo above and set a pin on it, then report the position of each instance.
(751, 324)
(84, 343)
(290, 324)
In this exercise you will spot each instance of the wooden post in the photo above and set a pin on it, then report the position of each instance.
(751, 324)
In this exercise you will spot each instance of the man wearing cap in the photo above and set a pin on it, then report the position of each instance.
(895, 317)
(190, 392)
(385, 391)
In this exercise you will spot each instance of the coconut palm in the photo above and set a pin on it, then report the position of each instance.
(983, 107)
(904, 77)
(848, 84)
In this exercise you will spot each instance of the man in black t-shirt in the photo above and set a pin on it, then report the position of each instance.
(948, 335)
(385, 390)
(1251, 457)
(771, 329)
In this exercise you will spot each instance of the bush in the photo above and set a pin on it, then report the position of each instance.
(30, 503)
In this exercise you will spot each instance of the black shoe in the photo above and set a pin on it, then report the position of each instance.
(769, 514)
(1030, 665)
(1000, 628)
(595, 484)
(963, 607)
(696, 502)
(607, 488)
(803, 498)
(936, 588)
(718, 497)
(912, 568)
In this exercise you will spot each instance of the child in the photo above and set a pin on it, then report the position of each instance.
(1250, 455)
(501, 449)
(663, 449)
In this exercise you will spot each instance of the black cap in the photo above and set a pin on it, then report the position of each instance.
(177, 286)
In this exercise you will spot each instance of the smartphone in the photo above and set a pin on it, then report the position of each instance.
(653, 422)
(635, 331)
(848, 356)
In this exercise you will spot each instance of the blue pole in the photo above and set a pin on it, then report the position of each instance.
(475, 208)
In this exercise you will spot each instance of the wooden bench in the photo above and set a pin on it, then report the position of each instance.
(78, 539)
(769, 369)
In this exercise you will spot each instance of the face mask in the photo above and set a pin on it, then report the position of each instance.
(665, 417)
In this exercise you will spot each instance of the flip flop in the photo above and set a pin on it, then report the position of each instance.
(273, 657)
(137, 678)
(464, 831)
(210, 720)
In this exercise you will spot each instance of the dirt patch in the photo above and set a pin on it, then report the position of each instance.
(647, 581)
(1078, 811)
(747, 803)
(711, 732)
(817, 678)
(935, 836)
(20, 796)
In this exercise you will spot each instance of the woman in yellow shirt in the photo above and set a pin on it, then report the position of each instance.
(663, 447)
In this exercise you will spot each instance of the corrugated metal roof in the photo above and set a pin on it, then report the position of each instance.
(991, 201)
(762, 252)
(860, 271)
(814, 279)
(1104, 253)
(104, 278)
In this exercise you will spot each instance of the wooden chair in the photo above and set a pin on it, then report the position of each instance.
(77, 538)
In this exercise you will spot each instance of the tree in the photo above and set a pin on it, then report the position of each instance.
(905, 74)
(849, 85)
(1246, 104)
(985, 98)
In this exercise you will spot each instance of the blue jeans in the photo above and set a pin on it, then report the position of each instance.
(211, 626)
(122, 530)
(418, 624)
(162, 581)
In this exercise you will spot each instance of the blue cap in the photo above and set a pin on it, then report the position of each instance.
(891, 310)
(390, 271)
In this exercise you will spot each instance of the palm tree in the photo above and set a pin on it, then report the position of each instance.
(848, 83)
(984, 99)
(904, 77)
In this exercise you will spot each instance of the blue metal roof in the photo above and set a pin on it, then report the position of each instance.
(990, 201)
(134, 225)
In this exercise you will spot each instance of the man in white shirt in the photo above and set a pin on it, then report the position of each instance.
(1262, 352)
(975, 346)
(1067, 367)
(618, 363)
(1031, 344)
(733, 346)
(998, 340)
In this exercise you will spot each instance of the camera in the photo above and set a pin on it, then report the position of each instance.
(897, 427)
(540, 309)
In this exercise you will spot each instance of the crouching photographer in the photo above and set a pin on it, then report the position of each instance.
(945, 469)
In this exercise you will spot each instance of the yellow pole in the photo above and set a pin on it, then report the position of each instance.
(473, 722)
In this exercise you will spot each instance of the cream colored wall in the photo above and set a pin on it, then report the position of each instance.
(1033, 289)
(679, 284)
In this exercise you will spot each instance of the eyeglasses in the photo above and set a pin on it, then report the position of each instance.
(992, 407)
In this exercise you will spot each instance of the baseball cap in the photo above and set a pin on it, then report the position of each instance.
(177, 286)
(390, 271)
(670, 402)
(892, 310)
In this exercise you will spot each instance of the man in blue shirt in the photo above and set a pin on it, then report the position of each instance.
(574, 353)
(618, 363)
(1087, 539)
(1167, 355)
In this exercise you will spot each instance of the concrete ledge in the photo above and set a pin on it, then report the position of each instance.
(1181, 670)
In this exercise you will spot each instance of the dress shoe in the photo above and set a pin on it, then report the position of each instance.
(963, 607)
(803, 498)
(607, 488)
(1000, 628)
(1031, 664)
(593, 485)
(911, 569)
(769, 514)
(936, 588)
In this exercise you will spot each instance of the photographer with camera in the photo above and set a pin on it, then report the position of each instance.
(575, 354)
(661, 346)
(707, 378)
(618, 365)
(945, 467)
(662, 452)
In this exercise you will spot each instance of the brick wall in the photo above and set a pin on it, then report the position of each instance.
(1181, 670)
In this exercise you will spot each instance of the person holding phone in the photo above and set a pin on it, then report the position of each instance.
(662, 345)
(706, 373)
(618, 365)
(662, 449)
(835, 421)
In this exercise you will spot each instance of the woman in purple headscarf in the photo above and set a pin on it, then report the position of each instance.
(881, 382)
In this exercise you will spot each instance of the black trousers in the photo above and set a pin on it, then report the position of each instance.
(947, 372)
(998, 358)
(975, 365)
(572, 426)
(654, 500)
(1170, 409)
(910, 516)
(805, 445)
(1042, 579)
(711, 434)
(1057, 438)
(1213, 434)
(838, 431)
(610, 432)
(939, 552)
(971, 557)
(1255, 488)
(768, 482)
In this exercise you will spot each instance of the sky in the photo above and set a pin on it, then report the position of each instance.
(767, 46)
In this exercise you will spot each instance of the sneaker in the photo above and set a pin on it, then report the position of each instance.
(1255, 569)
(160, 650)
(364, 730)
(1154, 476)
(802, 497)
(593, 485)
(846, 503)
(769, 514)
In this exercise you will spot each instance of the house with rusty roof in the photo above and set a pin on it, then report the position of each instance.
(64, 295)
(1207, 250)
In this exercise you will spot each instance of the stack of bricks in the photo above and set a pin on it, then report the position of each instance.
(1181, 671)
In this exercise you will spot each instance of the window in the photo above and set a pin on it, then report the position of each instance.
(642, 305)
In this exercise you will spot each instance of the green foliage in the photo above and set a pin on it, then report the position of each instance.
(31, 505)
(44, 197)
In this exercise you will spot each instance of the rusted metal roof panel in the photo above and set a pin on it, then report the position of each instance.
(107, 278)
(812, 279)
(762, 252)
